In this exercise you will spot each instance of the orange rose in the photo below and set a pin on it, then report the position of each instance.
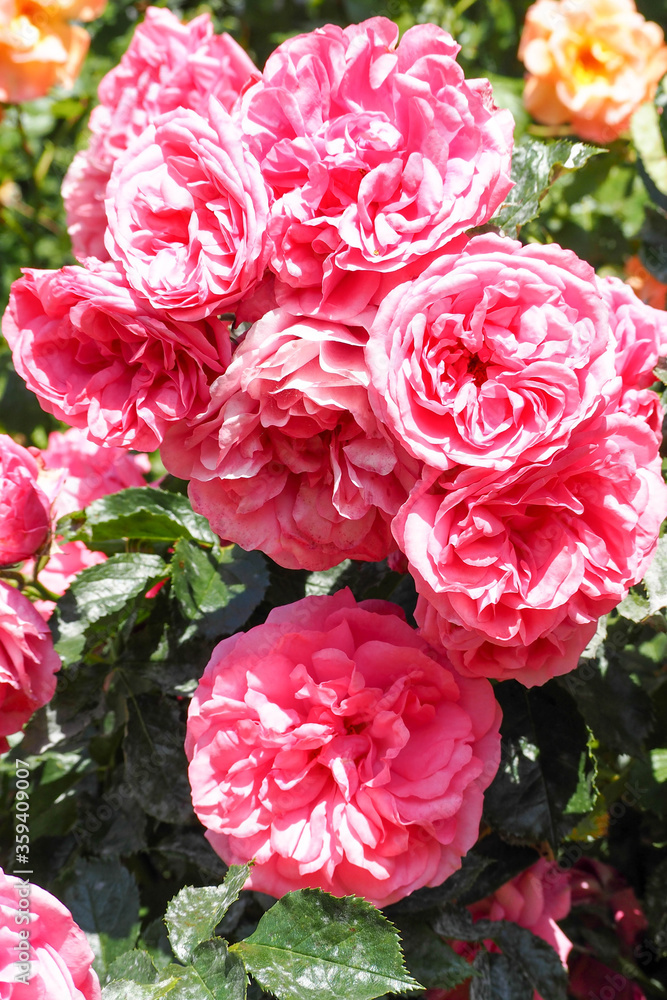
(38, 47)
(644, 285)
(590, 64)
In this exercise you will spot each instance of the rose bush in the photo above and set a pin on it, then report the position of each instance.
(61, 959)
(336, 748)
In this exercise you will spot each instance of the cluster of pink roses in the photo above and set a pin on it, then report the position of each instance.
(36, 488)
(390, 381)
(279, 288)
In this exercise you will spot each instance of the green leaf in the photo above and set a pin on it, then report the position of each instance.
(429, 959)
(543, 738)
(497, 978)
(145, 513)
(104, 901)
(656, 893)
(193, 914)
(136, 966)
(647, 138)
(618, 711)
(655, 578)
(124, 989)
(222, 973)
(533, 957)
(659, 764)
(101, 599)
(535, 167)
(311, 944)
(653, 248)
(218, 589)
(155, 761)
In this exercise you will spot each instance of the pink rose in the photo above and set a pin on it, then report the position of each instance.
(640, 335)
(492, 356)
(535, 900)
(511, 559)
(24, 507)
(60, 959)
(28, 662)
(607, 901)
(339, 750)
(378, 153)
(188, 210)
(168, 65)
(289, 458)
(82, 471)
(602, 888)
(592, 980)
(99, 357)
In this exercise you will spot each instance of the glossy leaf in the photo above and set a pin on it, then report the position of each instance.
(310, 945)
(193, 914)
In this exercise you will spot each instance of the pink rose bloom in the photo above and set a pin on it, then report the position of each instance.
(640, 335)
(289, 457)
(28, 662)
(516, 557)
(492, 356)
(24, 507)
(535, 900)
(61, 960)
(339, 750)
(607, 901)
(98, 357)
(84, 471)
(591, 980)
(188, 211)
(378, 152)
(600, 886)
(168, 65)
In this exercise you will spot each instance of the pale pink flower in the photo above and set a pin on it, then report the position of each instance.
(60, 966)
(336, 748)
(527, 555)
(492, 356)
(24, 507)
(168, 65)
(82, 471)
(98, 357)
(290, 458)
(188, 208)
(378, 152)
(28, 662)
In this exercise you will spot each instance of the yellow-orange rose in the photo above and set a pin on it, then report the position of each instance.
(38, 47)
(590, 64)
